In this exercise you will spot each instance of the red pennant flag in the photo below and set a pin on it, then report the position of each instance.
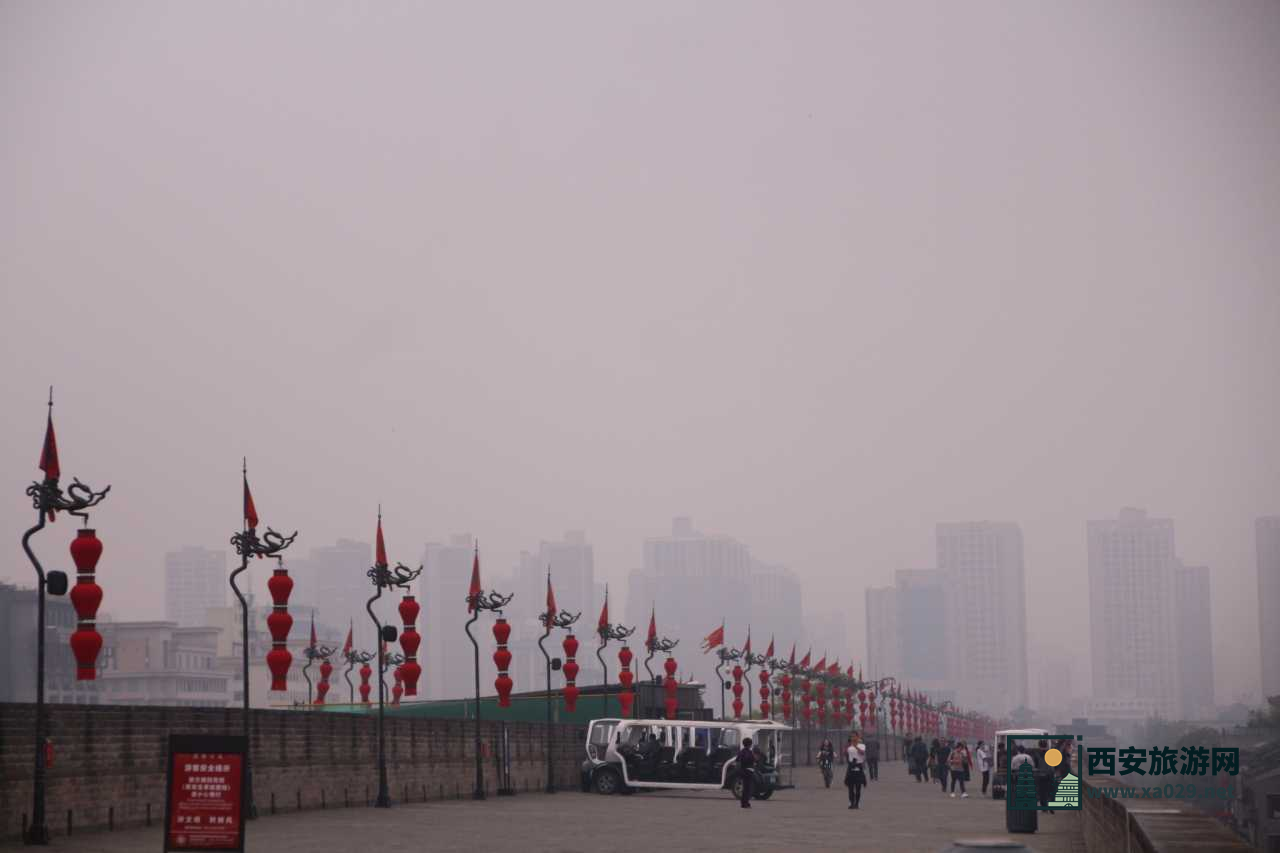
(834, 669)
(822, 664)
(380, 558)
(769, 651)
(746, 650)
(804, 664)
(346, 647)
(850, 672)
(551, 599)
(473, 594)
(714, 639)
(604, 611)
(250, 512)
(793, 654)
(313, 629)
(49, 453)
(653, 628)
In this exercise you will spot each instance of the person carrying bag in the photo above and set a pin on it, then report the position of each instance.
(855, 775)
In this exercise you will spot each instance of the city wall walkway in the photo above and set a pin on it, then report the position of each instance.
(897, 814)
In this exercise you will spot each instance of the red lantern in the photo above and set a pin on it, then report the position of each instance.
(326, 670)
(86, 596)
(671, 702)
(625, 696)
(737, 691)
(410, 639)
(365, 672)
(570, 646)
(764, 694)
(397, 690)
(786, 696)
(502, 660)
(280, 585)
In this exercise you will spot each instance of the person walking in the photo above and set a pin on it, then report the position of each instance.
(746, 771)
(982, 758)
(1044, 775)
(873, 759)
(855, 774)
(919, 762)
(960, 761)
(943, 757)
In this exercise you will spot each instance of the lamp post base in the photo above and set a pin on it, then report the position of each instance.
(36, 834)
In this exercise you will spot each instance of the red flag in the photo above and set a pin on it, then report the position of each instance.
(804, 664)
(793, 654)
(313, 629)
(473, 594)
(604, 611)
(346, 647)
(746, 650)
(850, 672)
(653, 628)
(49, 453)
(380, 552)
(714, 639)
(551, 599)
(822, 664)
(769, 651)
(250, 512)
(834, 669)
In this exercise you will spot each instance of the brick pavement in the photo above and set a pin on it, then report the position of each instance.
(897, 814)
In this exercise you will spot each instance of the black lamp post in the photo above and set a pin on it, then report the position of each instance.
(549, 620)
(607, 631)
(47, 498)
(313, 652)
(478, 600)
(247, 545)
(391, 660)
(384, 577)
(724, 655)
(656, 645)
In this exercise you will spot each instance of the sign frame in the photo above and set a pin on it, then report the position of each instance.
(182, 744)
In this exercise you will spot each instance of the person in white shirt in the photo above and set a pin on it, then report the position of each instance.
(982, 755)
(855, 772)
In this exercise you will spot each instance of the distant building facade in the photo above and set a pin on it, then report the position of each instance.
(985, 581)
(161, 663)
(1193, 640)
(195, 579)
(18, 650)
(882, 632)
(1267, 532)
(445, 651)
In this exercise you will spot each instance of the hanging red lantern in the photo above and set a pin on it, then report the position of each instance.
(671, 702)
(410, 640)
(365, 672)
(570, 646)
(397, 689)
(502, 660)
(786, 696)
(764, 694)
(86, 596)
(280, 585)
(322, 689)
(737, 691)
(625, 677)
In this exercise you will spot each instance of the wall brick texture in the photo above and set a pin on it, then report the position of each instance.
(109, 761)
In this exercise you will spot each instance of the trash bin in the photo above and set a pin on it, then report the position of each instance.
(1021, 820)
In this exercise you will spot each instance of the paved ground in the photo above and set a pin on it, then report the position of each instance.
(897, 814)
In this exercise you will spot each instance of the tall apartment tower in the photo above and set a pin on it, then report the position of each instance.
(195, 579)
(341, 582)
(1267, 530)
(445, 652)
(1193, 640)
(882, 633)
(983, 564)
(1132, 611)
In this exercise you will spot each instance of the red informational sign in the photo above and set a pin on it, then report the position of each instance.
(205, 803)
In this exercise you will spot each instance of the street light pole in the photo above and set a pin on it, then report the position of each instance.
(549, 620)
(478, 600)
(47, 499)
(247, 545)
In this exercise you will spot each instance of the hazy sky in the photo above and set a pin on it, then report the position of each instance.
(819, 275)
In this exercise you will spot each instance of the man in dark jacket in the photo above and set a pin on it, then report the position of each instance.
(873, 759)
(919, 759)
(746, 771)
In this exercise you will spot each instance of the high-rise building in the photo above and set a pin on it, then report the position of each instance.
(195, 579)
(1267, 531)
(882, 633)
(1194, 641)
(18, 639)
(983, 562)
(339, 572)
(925, 651)
(445, 650)
(776, 606)
(1131, 610)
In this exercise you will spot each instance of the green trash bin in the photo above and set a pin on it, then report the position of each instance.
(1021, 820)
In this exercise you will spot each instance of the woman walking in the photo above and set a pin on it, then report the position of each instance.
(982, 757)
(960, 761)
(855, 774)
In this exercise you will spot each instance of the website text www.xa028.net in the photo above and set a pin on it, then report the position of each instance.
(1156, 792)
